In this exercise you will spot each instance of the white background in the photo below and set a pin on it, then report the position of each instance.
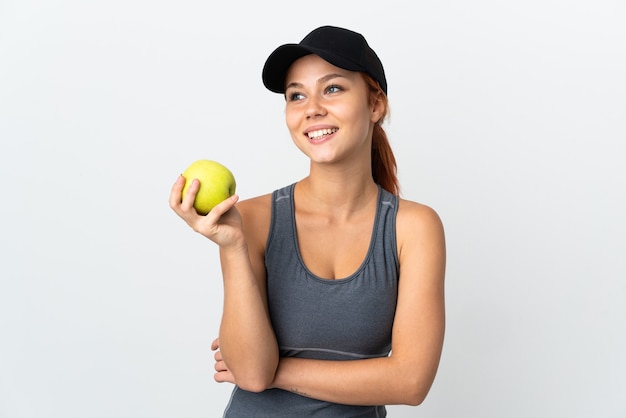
(508, 118)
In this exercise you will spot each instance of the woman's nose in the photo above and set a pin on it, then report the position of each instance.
(315, 107)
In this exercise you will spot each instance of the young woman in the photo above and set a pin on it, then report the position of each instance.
(333, 285)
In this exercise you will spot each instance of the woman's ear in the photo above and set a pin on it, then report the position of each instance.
(378, 107)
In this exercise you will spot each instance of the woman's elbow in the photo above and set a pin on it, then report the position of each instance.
(415, 392)
(413, 398)
(251, 385)
(255, 382)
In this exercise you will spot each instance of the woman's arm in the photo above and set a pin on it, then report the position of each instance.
(247, 339)
(405, 377)
(246, 336)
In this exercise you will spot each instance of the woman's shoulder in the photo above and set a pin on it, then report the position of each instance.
(255, 207)
(421, 240)
(416, 209)
(260, 205)
(417, 217)
(256, 201)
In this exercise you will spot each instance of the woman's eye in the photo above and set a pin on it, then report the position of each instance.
(295, 96)
(333, 89)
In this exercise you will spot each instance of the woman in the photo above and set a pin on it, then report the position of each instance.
(333, 285)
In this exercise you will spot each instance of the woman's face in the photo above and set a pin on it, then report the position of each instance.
(327, 110)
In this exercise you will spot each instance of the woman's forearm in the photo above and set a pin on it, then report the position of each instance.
(379, 381)
(247, 340)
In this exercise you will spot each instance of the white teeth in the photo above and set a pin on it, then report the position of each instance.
(321, 132)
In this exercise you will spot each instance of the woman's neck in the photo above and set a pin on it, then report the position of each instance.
(336, 194)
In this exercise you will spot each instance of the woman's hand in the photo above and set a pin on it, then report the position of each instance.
(221, 225)
(222, 373)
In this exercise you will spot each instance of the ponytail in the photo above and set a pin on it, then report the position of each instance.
(384, 168)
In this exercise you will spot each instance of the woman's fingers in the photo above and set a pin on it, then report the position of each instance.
(215, 345)
(220, 366)
(222, 224)
(221, 208)
(224, 377)
(180, 204)
(190, 196)
(183, 206)
(176, 192)
(185, 203)
(222, 374)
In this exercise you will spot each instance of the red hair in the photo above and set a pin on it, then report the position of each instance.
(384, 168)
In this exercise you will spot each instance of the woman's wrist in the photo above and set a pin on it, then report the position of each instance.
(234, 251)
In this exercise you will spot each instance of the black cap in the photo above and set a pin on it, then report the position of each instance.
(342, 48)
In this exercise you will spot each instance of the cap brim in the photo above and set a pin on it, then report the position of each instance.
(279, 61)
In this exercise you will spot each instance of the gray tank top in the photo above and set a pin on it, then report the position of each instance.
(345, 319)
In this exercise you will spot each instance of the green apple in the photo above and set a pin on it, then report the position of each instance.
(217, 184)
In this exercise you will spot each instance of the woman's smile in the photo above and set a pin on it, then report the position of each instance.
(317, 136)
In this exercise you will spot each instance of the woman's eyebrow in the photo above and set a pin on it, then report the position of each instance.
(329, 77)
(294, 85)
(322, 80)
